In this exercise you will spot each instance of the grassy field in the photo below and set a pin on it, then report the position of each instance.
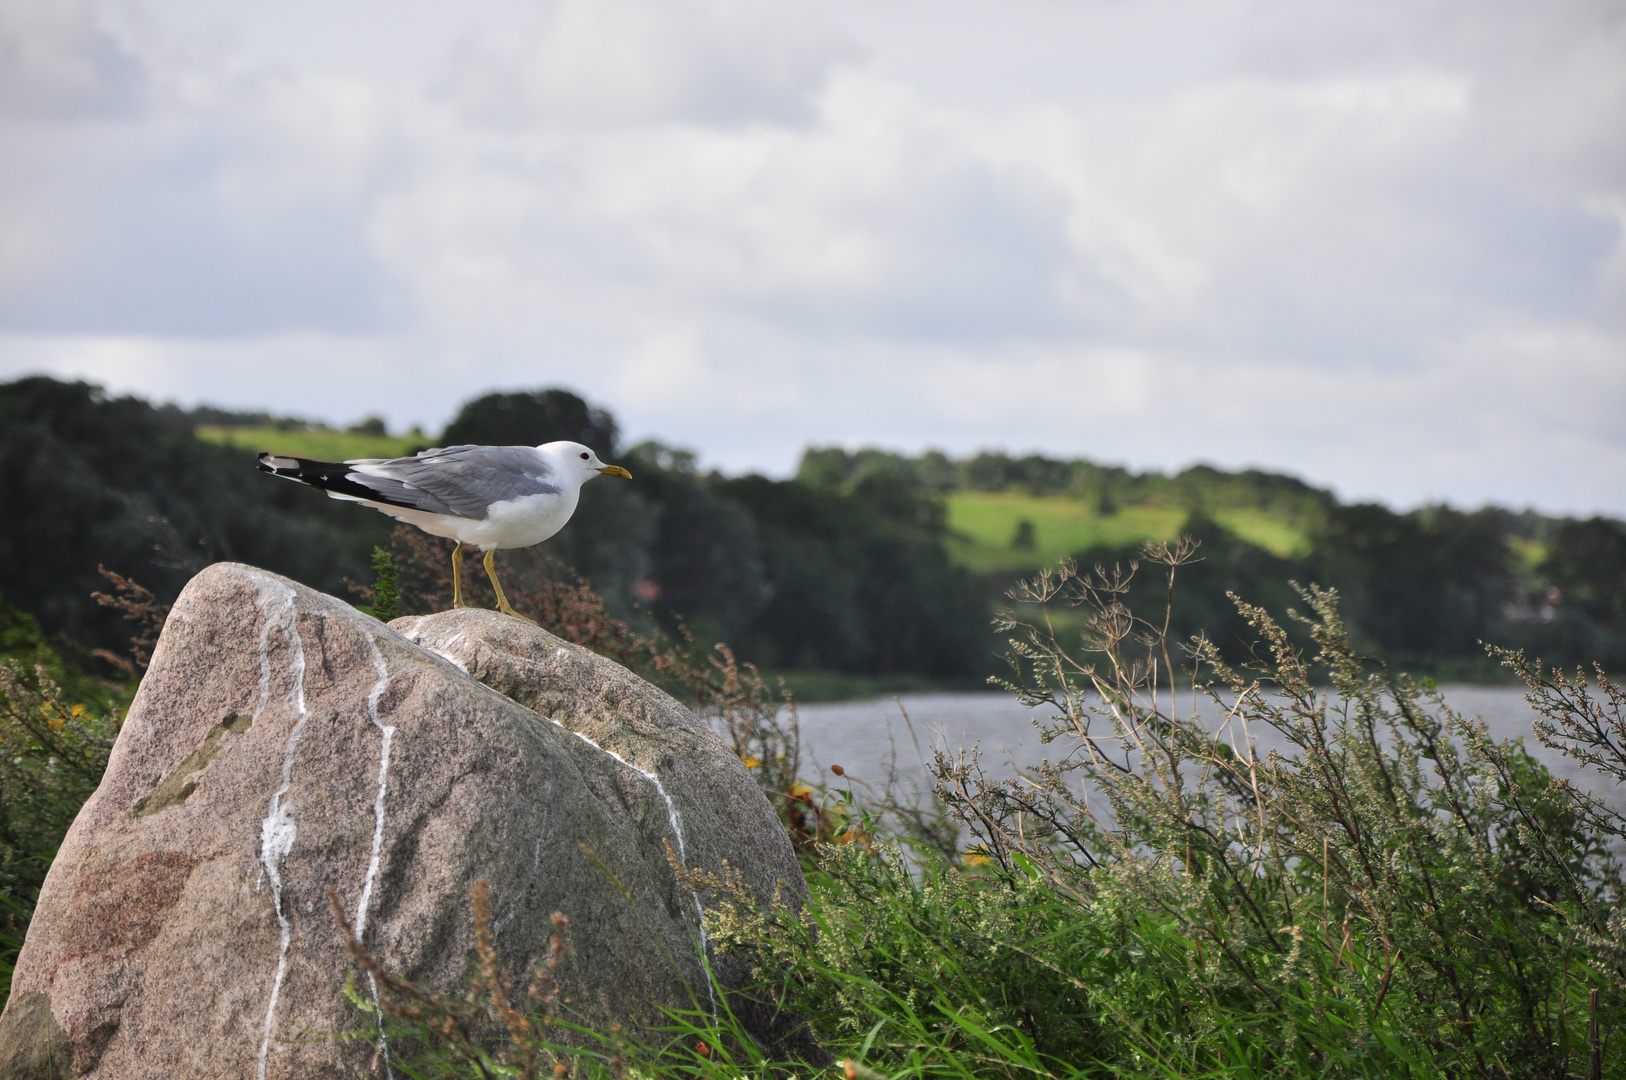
(320, 443)
(987, 523)
(1529, 553)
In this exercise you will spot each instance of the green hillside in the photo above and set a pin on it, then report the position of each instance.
(324, 444)
(984, 528)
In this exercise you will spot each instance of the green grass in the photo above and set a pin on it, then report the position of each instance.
(1061, 526)
(1529, 553)
(1262, 529)
(987, 523)
(320, 443)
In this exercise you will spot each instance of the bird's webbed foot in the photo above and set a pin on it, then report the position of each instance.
(504, 607)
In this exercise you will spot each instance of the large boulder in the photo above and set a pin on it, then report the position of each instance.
(283, 744)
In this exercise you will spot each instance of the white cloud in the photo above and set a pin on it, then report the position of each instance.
(1376, 245)
(597, 62)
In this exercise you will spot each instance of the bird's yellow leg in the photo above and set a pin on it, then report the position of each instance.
(502, 601)
(457, 575)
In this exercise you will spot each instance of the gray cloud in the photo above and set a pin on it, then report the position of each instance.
(183, 199)
(1382, 246)
(146, 244)
(56, 64)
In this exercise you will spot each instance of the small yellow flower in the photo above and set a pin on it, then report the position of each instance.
(78, 711)
(800, 790)
(975, 858)
(750, 762)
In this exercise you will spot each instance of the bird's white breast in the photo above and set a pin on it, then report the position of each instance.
(529, 519)
(513, 523)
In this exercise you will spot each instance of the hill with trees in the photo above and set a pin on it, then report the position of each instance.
(866, 562)
(1422, 587)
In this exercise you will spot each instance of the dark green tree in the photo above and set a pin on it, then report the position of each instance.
(530, 418)
(1587, 563)
(860, 582)
(87, 479)
(1431, 583)
(1586, 566)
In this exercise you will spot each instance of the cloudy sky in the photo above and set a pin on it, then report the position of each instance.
(1380, 244)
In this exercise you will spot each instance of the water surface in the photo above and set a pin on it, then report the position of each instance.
(862, 736)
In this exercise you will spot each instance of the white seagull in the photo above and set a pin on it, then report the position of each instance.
(487, 497)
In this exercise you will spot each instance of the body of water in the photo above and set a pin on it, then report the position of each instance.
(864, 736)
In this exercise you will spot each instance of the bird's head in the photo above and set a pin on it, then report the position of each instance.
(580, 461)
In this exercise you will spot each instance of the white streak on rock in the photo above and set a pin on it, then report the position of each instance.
(450, 659)
(265, 690)
(417, 639)
(277, 831)
(677, 830)
(387, 734)
(265, 663)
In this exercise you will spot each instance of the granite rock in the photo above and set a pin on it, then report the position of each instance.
(283, 744)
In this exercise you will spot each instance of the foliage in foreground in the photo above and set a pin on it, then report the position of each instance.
(1348, 880)
(57, 726)
(1386, 889)
(1389, 892)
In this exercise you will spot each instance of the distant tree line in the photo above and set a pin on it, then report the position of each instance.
(1105, 487)
(1422, 588)
(844, 567)
(791, 574)
(88, 480)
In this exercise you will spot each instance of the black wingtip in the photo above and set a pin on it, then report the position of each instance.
(331, 476)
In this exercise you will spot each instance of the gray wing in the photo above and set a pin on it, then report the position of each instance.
(460, 480)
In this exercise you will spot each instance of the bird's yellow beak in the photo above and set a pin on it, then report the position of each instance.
(615, 470)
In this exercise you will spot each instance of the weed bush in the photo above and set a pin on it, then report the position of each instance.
(1394, 891)
(1392, 894)
(57, 726)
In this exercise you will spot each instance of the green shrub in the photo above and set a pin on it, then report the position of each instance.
(1396, 894)
(1395, 891)
(57, 726)
(385, 591)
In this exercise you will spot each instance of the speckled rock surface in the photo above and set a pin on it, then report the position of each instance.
(283, 744)
(723, 811)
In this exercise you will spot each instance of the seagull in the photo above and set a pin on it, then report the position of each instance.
(485, 497)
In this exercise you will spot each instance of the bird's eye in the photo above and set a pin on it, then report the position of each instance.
(584, 457)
